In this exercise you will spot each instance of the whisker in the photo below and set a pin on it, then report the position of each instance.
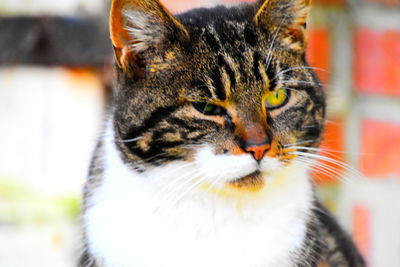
(216, 181)
(321, 157)
(322, 150)
(297, 68)
(310, 126)
(322, 168)
(186, 165)
(328, 151)
(304, 82)
(269, 55)
(298, 91)
(187, 179)
(192, 187)
(155, 156)
(333, 161)
(300, 143)
(331, 122)
(176, 180)
(128, 140)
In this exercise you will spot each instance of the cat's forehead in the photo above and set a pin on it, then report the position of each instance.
(216, 16)
(231, 34)
(227, 26)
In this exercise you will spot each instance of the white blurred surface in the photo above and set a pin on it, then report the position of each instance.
(54, 7)
(50, 120)
(33, 246)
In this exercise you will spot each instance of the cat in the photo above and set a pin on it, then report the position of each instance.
(206, 154)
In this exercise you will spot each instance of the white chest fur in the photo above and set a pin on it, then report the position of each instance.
(132, 223)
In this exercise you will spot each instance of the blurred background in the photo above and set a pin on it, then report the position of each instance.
(55, 79)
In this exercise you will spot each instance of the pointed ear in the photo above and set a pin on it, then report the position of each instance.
(136, 25)
(289, 17)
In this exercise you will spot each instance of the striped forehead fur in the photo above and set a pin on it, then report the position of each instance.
(226, 60)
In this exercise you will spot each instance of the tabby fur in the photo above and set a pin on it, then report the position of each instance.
(243, 153)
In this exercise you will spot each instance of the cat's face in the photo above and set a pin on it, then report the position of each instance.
(227, 90)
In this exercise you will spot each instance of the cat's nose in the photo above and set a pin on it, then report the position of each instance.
(258, 150)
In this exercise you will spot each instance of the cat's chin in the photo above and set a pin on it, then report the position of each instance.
(252, 182)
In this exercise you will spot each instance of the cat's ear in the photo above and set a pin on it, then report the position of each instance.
(288, 17)
(137, 25)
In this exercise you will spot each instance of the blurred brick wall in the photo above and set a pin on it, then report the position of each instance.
(356, 44)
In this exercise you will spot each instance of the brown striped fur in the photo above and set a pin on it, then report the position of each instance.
(169, 68)
(232, 64)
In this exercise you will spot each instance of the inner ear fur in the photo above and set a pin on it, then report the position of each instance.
(289, 17)
(136, 25)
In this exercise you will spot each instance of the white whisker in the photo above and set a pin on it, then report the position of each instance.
(322, 150)
(304, 82)
(187, 179)
(296, 68)
(269, 55)
(333, 161)
(190, 189)
(322, 168)
(216, 181)
(174, 181)
(300, 143)
(298, 91)
(129, 140)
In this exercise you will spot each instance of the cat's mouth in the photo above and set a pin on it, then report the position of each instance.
(252, 182)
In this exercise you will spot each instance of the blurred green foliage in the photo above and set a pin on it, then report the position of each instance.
(21, 205)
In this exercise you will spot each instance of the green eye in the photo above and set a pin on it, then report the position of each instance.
(277, 99)
(209, 109)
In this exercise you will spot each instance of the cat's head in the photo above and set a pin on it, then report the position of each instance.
(224, 89)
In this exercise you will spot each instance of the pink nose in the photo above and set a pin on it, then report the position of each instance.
(258, 151)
